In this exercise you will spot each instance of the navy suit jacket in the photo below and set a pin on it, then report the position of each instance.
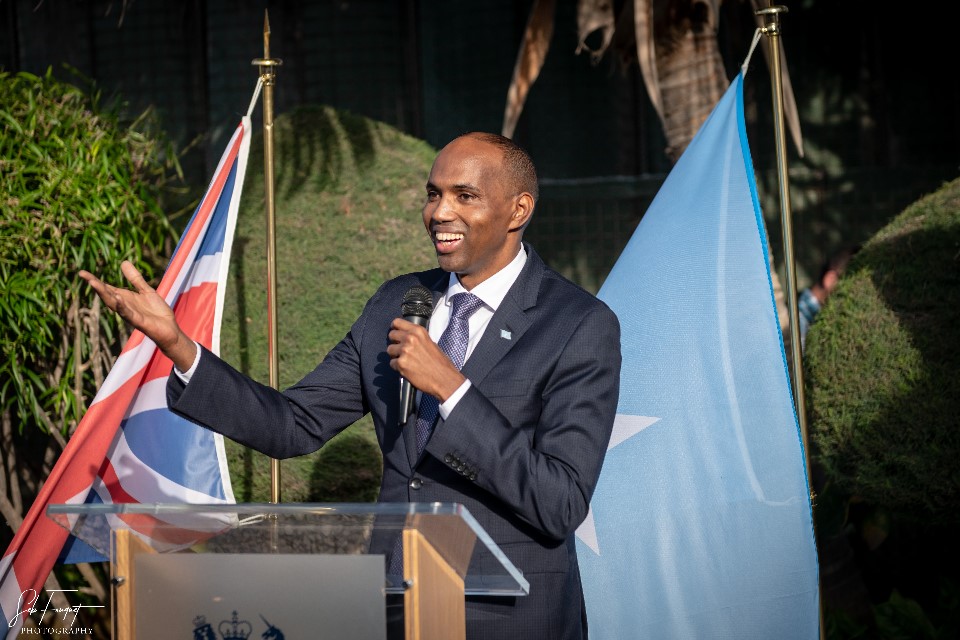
(522, 450)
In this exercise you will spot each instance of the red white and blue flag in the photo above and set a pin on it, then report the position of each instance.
(129, 448)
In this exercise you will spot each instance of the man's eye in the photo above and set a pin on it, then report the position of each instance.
(432, 195)
(466, 196)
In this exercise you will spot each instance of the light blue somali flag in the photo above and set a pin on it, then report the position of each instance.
(701, 525)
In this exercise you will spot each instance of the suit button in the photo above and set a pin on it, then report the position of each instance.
(416, 483)
(473, 476)
(448, 458)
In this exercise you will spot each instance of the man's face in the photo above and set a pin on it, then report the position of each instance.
(470, 211)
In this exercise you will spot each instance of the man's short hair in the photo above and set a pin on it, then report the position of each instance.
(517, 162)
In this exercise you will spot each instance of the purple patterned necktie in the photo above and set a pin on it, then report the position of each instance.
(453, 342)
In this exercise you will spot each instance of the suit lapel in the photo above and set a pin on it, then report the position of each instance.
(506, 327)
(509, 323)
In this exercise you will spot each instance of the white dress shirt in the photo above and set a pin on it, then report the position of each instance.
(491, 291)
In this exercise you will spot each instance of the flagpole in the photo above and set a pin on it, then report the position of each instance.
(266, 65)
(771, 29)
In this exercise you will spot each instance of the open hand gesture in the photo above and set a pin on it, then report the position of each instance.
(145, 310)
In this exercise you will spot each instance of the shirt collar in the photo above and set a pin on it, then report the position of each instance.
(494, 289)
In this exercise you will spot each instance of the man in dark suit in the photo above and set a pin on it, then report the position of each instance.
(520, 430)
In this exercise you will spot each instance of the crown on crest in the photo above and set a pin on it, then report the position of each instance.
(235, 629)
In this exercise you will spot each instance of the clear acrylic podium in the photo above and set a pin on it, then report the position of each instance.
(294, 570)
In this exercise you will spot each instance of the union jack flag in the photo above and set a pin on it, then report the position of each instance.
(129, 448)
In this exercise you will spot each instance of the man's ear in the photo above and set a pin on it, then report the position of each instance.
(522, 211)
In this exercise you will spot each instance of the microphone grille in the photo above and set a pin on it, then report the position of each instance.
(417, 301)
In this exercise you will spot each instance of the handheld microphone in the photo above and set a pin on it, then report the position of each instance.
(416, 308)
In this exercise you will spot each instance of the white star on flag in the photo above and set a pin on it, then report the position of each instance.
(624, 427)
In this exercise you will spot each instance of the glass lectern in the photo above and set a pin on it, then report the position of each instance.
(236, 572)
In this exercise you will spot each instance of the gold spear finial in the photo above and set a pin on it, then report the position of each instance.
(266, 63)
(266, 33)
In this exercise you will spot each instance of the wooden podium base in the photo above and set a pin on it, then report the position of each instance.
(433, 604)
(128, 546)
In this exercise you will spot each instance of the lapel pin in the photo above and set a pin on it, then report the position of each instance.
(504, 334)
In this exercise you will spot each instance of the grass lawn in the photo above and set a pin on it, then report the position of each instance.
(348, 196)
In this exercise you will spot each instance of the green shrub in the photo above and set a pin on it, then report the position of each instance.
(882, 367)
(349, 192)
(78, 190)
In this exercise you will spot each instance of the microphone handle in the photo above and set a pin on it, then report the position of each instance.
(408, 397)
(408, 394)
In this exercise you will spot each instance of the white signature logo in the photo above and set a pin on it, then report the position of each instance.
(28, 603)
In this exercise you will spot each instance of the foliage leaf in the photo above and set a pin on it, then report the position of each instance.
(80, 190)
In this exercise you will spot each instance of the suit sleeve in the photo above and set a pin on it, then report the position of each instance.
(546, 476)
(284, 424)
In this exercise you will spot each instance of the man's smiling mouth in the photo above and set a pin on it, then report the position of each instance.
(447, 237)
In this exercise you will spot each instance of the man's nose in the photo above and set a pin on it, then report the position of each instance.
(445, 210)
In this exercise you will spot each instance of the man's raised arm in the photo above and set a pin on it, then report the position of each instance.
(145, 310)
